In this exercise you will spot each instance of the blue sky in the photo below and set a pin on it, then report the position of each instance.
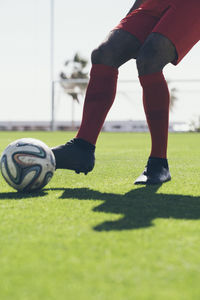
(79, 26)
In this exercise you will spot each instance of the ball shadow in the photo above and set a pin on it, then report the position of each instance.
(20, 195)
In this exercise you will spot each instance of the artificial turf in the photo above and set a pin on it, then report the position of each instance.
(99, 237)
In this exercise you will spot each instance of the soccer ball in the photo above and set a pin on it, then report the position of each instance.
(27, 164)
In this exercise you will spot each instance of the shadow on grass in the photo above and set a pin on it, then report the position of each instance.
(19, 195)
(139, 207)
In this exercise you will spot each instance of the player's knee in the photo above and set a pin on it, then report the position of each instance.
(155, 54)
(149, 62)
(103, 55)
(97, 56)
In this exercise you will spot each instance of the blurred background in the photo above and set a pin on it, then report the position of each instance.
(44, 43)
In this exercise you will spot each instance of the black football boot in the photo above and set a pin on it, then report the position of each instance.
(77, 155)
(156, 172)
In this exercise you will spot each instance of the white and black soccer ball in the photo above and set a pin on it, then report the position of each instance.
(27, 164)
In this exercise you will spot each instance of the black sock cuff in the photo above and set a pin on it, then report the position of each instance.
(162, 161)
(85, 144)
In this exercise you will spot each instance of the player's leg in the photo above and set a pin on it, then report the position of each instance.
(119, 47)
(180, 23)
(153, 56)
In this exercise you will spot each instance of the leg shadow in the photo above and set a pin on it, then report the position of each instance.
(139, 207)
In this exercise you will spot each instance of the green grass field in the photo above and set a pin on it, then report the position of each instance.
(99, 237)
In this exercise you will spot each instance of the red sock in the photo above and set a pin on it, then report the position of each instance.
(99, 98)
(156, 106)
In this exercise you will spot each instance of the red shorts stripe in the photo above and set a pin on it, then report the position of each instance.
(178, 20)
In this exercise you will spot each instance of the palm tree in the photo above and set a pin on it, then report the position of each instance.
(74, 80)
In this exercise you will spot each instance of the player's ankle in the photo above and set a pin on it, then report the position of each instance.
(84, 143)
(161, 160)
